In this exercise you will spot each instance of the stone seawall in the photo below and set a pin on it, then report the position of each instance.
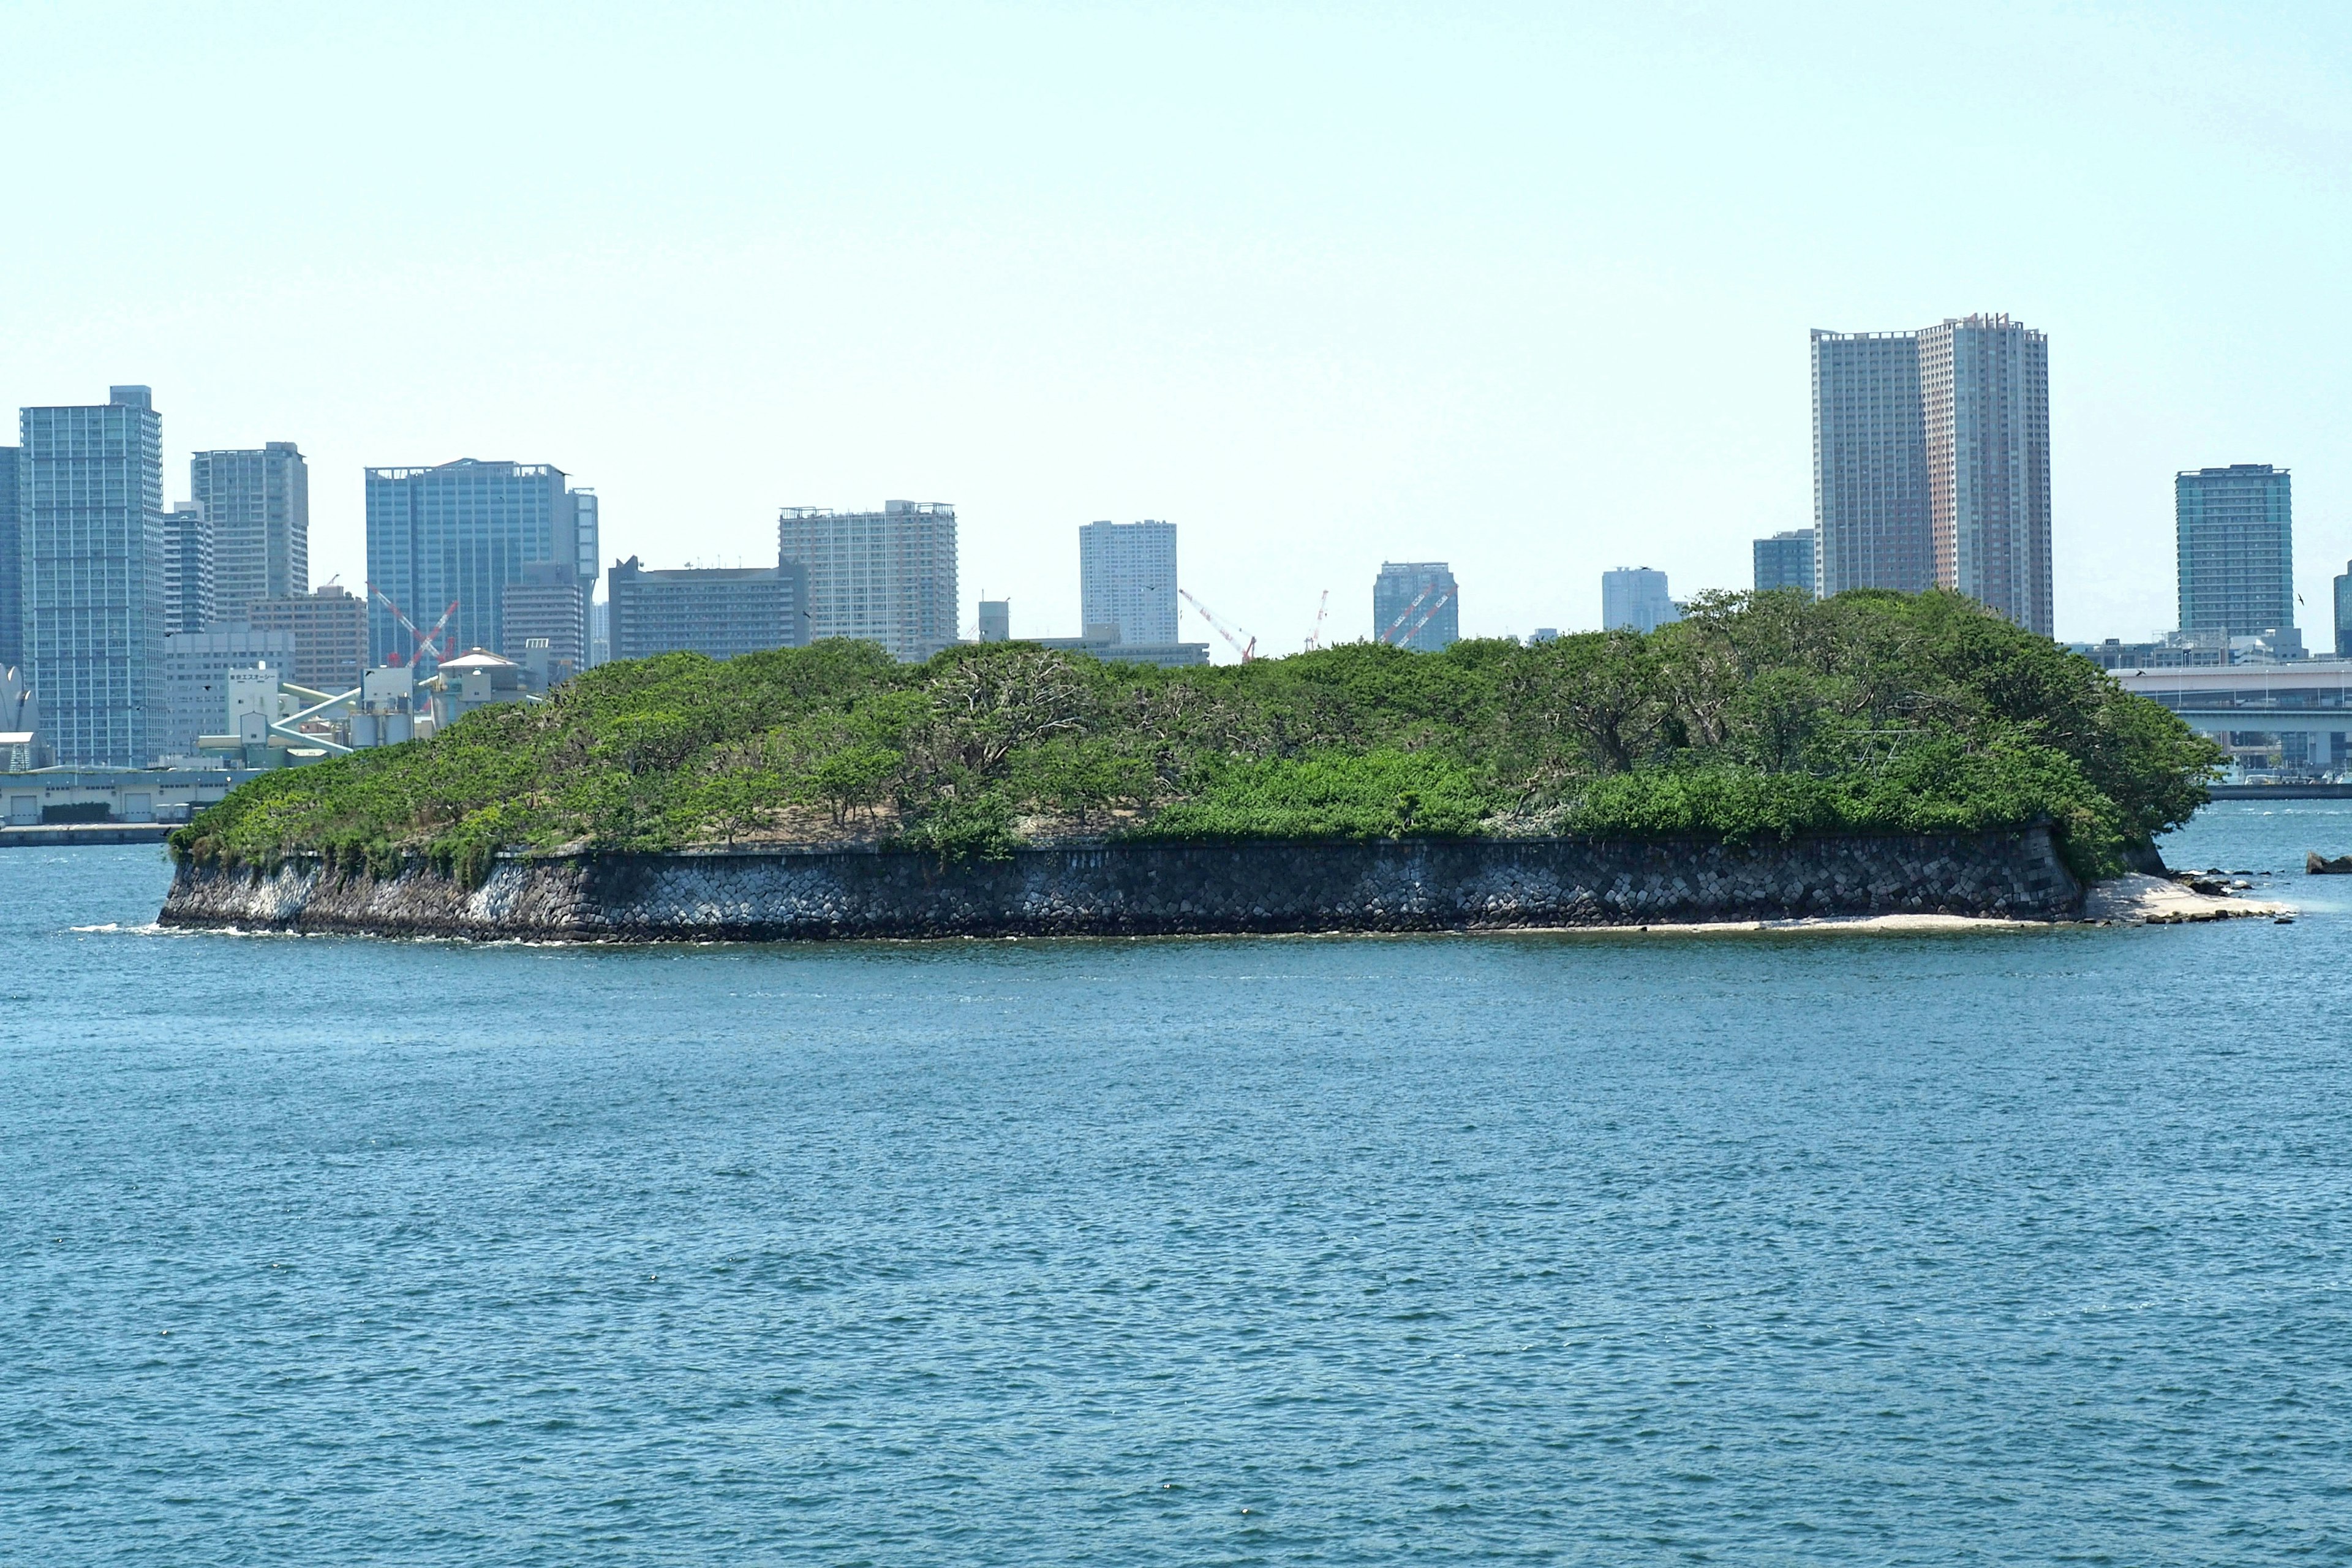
(1161, 888)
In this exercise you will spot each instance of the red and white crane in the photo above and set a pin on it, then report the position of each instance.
(1233, 635)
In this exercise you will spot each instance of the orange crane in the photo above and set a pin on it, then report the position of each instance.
(1233, 635)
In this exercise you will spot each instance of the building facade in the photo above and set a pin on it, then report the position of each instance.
(546, 606)
(1126, 580)
(460, 535)
(887, 576)
(1634, 599)
(1931, 463)
(12, 586)
(718, 611)
(2235, 528)
(1117, 650)
(330, 630)
(1416, 605)
(187, 569)
(1786, 561)
(90, 524)
(1984, 395)
(996, 620)
(257, 505)
(197, 667)
(1870, 523)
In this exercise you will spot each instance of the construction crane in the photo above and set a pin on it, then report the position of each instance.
(424, 642)
(1315, 633)
(1233, 635)
(1390, 637)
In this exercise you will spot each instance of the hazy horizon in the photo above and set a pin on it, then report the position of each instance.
(1527, 293)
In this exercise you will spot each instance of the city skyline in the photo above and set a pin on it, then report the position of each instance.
(1546, 339)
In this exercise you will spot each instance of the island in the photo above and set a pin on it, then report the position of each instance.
(1764, 757)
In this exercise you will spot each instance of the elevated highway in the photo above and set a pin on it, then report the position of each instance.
(2266, 715)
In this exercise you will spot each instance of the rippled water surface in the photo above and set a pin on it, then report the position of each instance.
(1998, 1246)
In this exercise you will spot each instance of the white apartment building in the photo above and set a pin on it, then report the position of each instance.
(886, 577)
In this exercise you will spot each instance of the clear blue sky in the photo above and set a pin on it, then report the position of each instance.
(1521, 288)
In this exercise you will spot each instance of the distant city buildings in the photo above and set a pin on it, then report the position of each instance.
(256, 505)
(1634, 599)
(461, 534)
(187, 569)
(330, 629)
(1931, 463)
(2343, 613)
(996, 620)
(1416, 605)
(718, 611)
(12, 606)
(546, 607)
(888, 576)
(1785, 561)
(197, 670)
(2236, 559)
(1166, 655)
(90, 548)
(1126, 581)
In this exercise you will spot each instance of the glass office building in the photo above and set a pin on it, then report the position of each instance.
(1786, 561)
(461, 534)
(1635, 599)
(90, 524)
(1416, 605)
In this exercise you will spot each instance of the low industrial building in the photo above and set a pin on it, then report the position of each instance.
(49, 795)
(1103, 643)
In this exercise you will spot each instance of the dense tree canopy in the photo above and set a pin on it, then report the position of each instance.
(1757, 714)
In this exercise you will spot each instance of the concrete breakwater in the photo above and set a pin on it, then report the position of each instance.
(1138, 889)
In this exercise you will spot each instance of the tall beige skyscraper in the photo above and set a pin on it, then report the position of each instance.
(1931, 463)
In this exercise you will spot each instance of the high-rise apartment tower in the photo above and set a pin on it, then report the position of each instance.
(2236, 532)
(1931, 463)
(12, 589)
(1126, 580)
(463, 532)
(187, 569)
(257, 504)
(887, 576)
(91, 525)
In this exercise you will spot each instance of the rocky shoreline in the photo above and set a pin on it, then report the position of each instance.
(1139, 889)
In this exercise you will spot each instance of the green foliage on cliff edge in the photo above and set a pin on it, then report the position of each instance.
(1758, 715)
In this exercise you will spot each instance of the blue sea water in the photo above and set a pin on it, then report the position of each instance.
(1998, 1246)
